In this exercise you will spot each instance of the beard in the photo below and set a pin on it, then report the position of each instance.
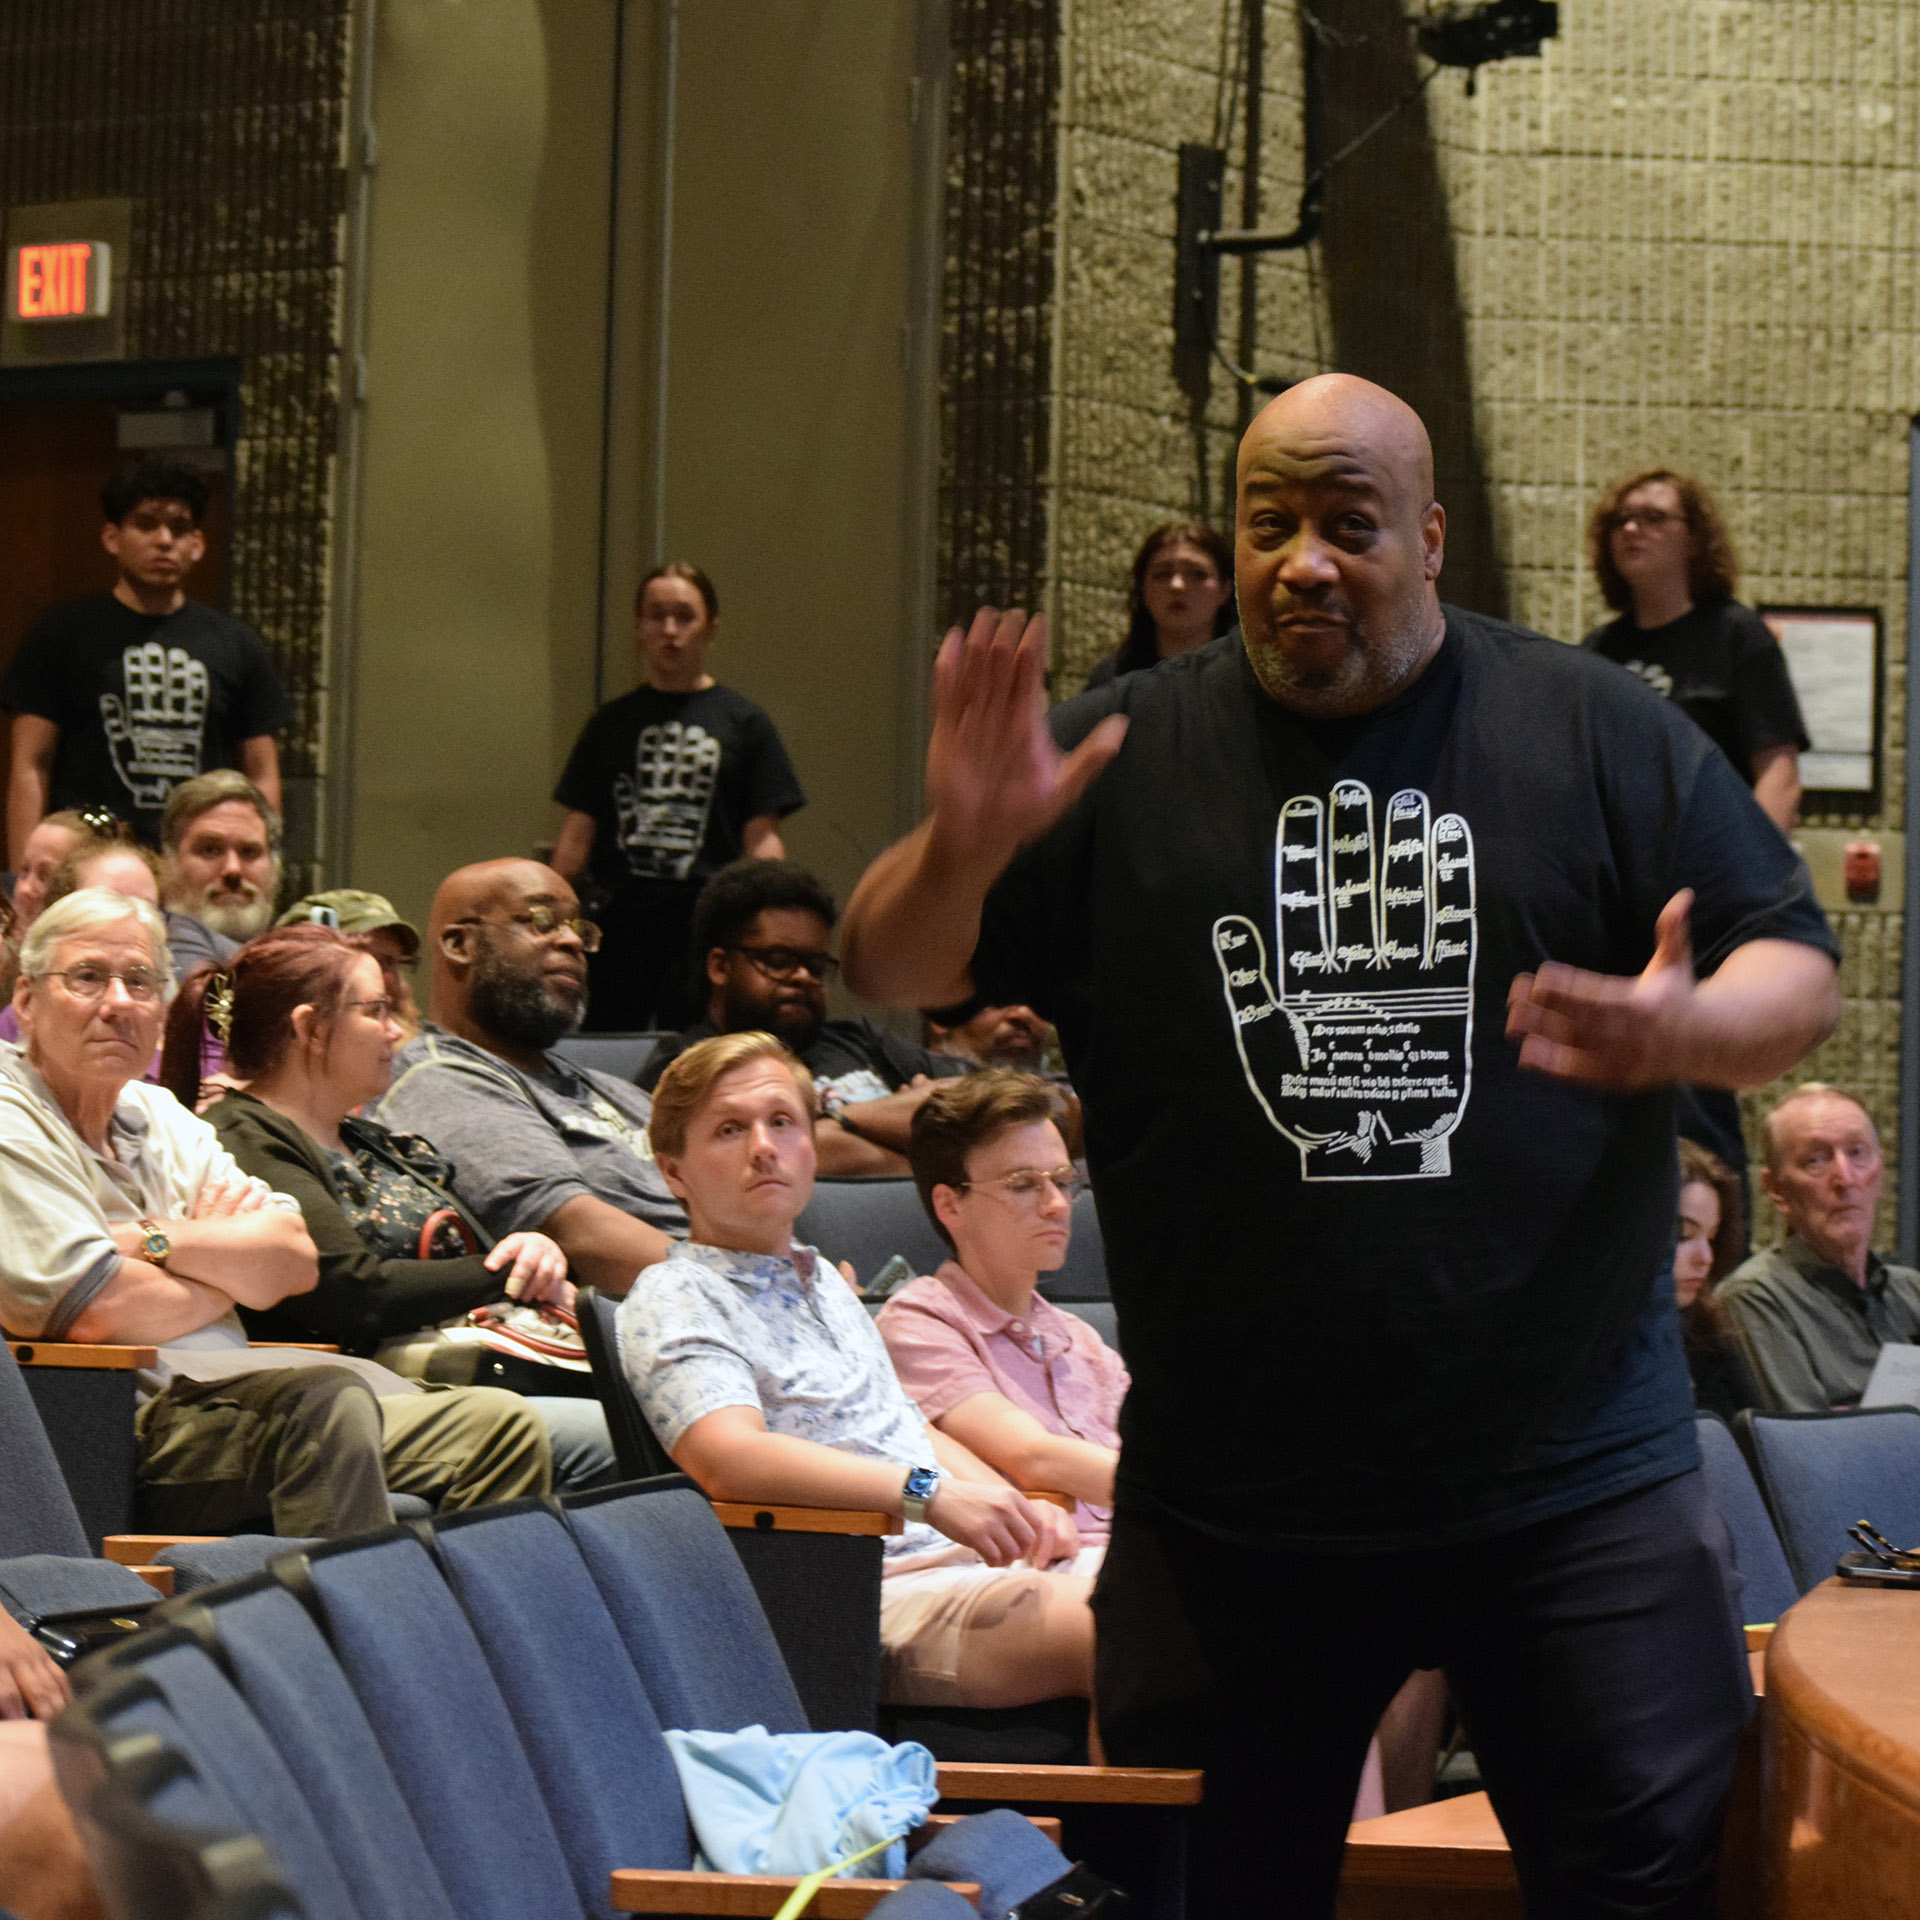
(1372, 666)
(238, 912)
(797, 1026)
(523, 1009)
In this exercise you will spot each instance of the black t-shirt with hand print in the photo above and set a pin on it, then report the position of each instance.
(143, 701)
(671, 780)
(1377, 1285)
(1721, 666)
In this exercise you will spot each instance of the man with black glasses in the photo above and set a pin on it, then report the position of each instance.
(537, 1144)
(764, 931)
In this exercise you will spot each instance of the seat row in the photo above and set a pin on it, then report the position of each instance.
(465, 1717)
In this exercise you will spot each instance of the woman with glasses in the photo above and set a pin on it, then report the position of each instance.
(306, 1016)
(1664, 561)
(1033, 1391)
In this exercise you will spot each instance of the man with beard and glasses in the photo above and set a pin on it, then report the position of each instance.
(1358, 924)
(539, 1145)
(220, 875)
(764, 931)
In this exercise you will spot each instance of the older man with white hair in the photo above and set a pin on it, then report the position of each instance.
(123, 1219)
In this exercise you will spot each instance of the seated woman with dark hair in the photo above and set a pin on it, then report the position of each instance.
(306, 1015)
(1708, 1246)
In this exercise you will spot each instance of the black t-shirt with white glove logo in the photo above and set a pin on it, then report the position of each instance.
(1377, 1285)
(143, 701)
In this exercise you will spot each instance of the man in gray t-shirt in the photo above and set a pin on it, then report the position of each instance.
(537, 1143)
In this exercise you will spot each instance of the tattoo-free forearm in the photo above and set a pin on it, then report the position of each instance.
(1763, 1010)
(605, 1247)
(914, 921)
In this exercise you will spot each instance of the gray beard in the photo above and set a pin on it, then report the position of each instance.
(1368, 675)
(236, 919)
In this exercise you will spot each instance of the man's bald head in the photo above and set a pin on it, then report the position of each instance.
(1337, 544)
(501, 978)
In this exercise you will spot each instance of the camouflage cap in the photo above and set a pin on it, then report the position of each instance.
(353, 912)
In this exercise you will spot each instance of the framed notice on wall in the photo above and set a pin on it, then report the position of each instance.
(1833, 655)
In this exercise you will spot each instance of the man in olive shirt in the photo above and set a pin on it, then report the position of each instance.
(1813, 1314)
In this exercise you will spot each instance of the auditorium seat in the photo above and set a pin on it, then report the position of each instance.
(621, 1055)
(1821, 1472)
(1768, 1588)
(446, 1719)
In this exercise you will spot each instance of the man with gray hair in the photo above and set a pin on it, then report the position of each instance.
(1813, 1313)
(221, 840)
(124, 1220)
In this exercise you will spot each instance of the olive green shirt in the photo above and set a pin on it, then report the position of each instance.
(1810, 1334)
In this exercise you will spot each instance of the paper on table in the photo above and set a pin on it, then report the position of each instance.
(1895, 1380)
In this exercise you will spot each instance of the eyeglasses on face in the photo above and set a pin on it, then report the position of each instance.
(1029, 1186)
(88, 982)
(376, 1009)
(789, 963)
(543, 923)
(1647, 519)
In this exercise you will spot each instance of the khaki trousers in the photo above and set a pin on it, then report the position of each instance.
(312, 1449)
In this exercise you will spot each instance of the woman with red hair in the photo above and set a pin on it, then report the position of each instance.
(306, 1016)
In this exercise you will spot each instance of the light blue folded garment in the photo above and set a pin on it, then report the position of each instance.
(792, 1803)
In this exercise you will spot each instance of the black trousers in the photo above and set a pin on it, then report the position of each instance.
(1597, 1659)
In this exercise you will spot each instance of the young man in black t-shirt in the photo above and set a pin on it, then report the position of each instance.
(764, 931)
(119, 697)
(1366, 932)
(665, 786)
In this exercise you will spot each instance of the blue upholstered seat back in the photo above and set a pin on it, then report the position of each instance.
(235, 1757)
(1767, 1589)
(290, 1678)
(37, 1514)
(426, 1690)
(1822, 1472)
(685, 1610)
(584, 1718)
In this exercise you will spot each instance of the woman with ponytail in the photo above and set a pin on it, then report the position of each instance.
(305, 1015)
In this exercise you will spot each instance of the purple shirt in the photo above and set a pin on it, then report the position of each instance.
(949, 1341)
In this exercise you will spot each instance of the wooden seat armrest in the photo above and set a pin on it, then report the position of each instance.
(160, 1579)
(136, 1550)
(1111, 1786)
(67, 1353)
(765, 1519)
(1047, 1823)
(1064, 1501)
(305, 1346)
(1757, 1638)
(665, 1890)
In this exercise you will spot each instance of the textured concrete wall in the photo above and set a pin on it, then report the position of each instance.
(1685, 234)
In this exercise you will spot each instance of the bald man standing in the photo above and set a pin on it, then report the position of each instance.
(537, 1143)
(1370, 931)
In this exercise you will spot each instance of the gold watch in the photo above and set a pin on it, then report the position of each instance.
(154, 1244)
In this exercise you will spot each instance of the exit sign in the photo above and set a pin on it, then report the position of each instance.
(59, 280)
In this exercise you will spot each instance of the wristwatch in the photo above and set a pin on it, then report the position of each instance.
(922, 1484)
(154, 1245)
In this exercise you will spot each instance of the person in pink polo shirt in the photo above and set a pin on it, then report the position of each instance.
(1033, 1391)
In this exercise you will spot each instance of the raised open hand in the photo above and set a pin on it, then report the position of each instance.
(1363, 1058)
(1621, 1033)
(995, 778)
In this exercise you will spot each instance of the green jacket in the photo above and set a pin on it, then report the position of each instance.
(361, 1299)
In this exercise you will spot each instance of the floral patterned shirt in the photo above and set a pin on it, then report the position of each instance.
(708, 1328)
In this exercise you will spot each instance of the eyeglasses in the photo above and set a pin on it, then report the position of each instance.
(789, 963)
(543, 923)
(88, 982)
(1028, 1186)
(380, 1009)
(1647, 519)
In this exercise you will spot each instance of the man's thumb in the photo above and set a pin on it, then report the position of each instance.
(1673, 938)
